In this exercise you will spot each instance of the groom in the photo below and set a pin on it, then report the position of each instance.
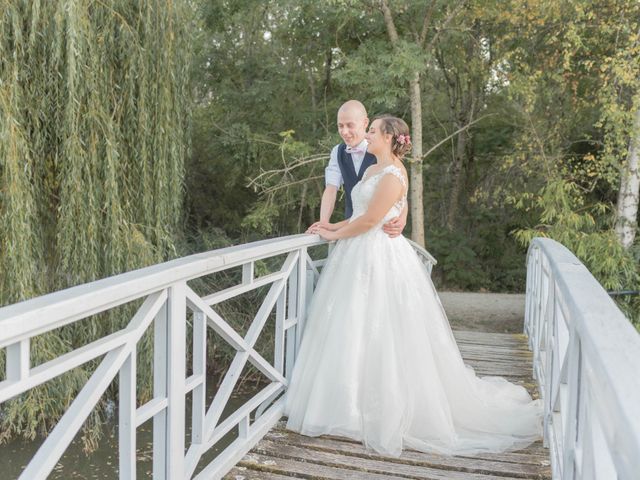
(347, 164)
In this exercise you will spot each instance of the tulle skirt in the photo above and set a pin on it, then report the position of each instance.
(378, 363)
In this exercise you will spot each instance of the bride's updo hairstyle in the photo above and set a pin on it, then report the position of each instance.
(401, 141)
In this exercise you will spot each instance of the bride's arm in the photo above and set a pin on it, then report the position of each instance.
(339, 225)
(386, 195)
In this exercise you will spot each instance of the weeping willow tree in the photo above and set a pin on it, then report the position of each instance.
(94, 115)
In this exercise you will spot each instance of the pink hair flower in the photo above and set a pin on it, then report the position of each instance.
(403, 139)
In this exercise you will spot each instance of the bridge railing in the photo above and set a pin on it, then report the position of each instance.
(586, 360)
(169, 307)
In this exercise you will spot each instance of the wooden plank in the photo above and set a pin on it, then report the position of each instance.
(371, 465)
(495, 368)
(510, 350)
(535, 454)
(516, 340)
(513, 346)
(485, 338)
(530, 469)
(490, 371)
(497, 352)
(526, 366)
(510, 360)
(244, 473)
(284, 466)
(337, 467)
(535, 448)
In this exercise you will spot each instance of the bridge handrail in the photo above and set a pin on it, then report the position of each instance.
(27, 318)
(586, 360)
(427, 258)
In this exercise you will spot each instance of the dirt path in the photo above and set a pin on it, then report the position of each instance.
(488, 312)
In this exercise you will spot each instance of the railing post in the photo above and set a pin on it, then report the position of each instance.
(18, 362)
(279, 346)
(160, 391)
(529, 298)
(574, 367)
(198, 402)
(127, 418)
(552, 360)
(293, 312)
(169, 382)
(305, 288)
(176, 373)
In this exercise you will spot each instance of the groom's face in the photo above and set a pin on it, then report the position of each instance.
(352, 127)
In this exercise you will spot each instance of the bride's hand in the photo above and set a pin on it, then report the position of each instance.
(326, 225)
(327, 234)
(314, 228)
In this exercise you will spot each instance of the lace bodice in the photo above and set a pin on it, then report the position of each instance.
(363, 191)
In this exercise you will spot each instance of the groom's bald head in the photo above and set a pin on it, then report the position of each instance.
(353, 107)
(352, 122)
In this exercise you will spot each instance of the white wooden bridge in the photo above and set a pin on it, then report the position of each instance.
(585, 358)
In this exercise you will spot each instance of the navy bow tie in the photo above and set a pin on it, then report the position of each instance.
(355, 150)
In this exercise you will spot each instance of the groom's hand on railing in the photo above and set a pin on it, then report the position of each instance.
(395, 226)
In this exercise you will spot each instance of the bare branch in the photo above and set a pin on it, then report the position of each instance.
(254, 138)
(437, 145)
(275, 188)
(443, 27)
(288, 168)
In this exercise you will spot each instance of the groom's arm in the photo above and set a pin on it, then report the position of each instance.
(328, 203)
(333, 182)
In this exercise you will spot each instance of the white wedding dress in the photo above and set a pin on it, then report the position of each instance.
(378, 362)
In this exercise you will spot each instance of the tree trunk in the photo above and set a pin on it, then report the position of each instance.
(627, 209)
(456, 179)
(327, 71)
(303, 201)
(458, 167)
(415, 182)
(312, 92)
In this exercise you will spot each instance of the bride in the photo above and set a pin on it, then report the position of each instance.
(378, 362)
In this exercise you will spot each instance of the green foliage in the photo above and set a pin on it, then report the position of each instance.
(579, 228)
(458, 263)
(576, 96)
(377, 74)
(94, 120)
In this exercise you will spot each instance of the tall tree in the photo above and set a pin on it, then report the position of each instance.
(465, 61)
(431, 26)
(622, 68)
(627, 207)
(94, 129)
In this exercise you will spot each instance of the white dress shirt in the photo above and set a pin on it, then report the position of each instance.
(332, 174)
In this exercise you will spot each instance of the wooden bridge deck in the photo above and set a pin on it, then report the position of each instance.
(282, 455)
